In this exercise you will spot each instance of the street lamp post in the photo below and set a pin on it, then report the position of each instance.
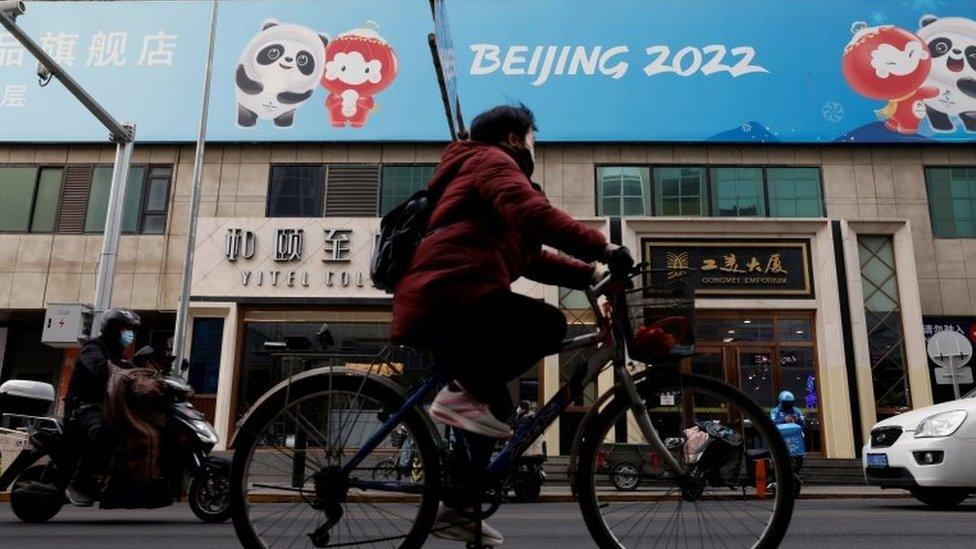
(179, 343)
(123, 135)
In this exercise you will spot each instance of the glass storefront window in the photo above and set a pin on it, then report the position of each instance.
(355, 342)
(296, 191)
(738, 192)
(756, 376)
(622, 191)
(728, 330)
(208, 337)
(794, 192)
(794, 329)
(680, 191)
(398, 183)
(762, 353)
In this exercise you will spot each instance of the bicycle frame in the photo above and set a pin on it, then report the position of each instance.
(618, 324)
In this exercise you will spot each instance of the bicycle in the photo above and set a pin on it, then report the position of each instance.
(403, 464)
(323, 495)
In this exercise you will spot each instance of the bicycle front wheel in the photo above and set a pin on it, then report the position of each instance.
(732, 453)
(287, 485)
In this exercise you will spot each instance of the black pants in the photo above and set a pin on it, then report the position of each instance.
(90, 446)
(493, 341)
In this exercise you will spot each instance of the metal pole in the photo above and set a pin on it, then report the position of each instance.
(120, 132)
(179, 339)
(952, 369)
(113, 226)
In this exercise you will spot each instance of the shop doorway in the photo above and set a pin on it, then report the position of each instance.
(763, 353)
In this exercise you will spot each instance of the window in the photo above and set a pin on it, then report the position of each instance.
(622, 190)
(794, 192)
(398, 183)
(145, 203)
(952, 201)
(680, 191)
(296, 191)
(208, 336)
(882, 314)
(30, 198)
(738, 192)
(734, 191)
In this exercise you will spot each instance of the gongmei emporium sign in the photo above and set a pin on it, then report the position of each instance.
(283, 257)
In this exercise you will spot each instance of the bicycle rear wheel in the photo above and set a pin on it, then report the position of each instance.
(285, 486)
(722, 502)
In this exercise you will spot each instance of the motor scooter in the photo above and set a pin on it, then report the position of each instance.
(34, 450)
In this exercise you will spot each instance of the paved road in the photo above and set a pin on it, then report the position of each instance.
(892, 524)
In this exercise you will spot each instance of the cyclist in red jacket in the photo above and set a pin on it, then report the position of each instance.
(487, 230)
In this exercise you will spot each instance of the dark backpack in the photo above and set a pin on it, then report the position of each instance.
(401, 231)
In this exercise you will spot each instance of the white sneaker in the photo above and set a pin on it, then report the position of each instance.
(454, 526)
(461, 410)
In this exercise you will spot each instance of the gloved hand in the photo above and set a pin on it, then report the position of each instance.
(618, 258)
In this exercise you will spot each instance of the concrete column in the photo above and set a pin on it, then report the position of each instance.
(549, 372)
(223, 415)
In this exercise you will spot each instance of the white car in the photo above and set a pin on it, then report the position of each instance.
(930, 451)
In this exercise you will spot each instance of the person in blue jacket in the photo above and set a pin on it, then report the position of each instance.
(786, 412)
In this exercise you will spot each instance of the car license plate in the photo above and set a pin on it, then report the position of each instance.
(877, 460)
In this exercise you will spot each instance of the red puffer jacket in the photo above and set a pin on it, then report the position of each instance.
(487, 230)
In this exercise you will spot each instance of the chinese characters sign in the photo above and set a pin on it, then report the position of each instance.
(293, 258)
(931, 325)
(733, 268)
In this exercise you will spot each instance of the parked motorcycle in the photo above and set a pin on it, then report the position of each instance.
(34, 462)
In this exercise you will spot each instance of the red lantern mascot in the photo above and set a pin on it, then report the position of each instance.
(358, 64)
(889, 63)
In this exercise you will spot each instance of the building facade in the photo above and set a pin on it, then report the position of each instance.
(824, 210)
(818, 267)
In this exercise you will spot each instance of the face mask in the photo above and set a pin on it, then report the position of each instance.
(127, 338)
(525, 158)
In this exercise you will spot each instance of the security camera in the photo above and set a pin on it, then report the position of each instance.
(12, 8)
(43, 73)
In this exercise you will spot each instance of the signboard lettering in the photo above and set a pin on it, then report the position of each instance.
(807, 71)
(734, 268)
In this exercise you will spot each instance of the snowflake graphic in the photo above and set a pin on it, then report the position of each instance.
(832, 111)
(746, 127)
(928, 5)
(877, 17)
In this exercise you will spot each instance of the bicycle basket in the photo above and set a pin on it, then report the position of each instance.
(662, 315)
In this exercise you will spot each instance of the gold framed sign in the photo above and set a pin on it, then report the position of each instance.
(733, 268)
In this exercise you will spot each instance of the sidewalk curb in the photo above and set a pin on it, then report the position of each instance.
(562, 498)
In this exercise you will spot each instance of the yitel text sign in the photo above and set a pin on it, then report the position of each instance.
(284, 258)
(736, 268)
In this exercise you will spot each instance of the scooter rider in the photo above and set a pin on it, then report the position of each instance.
(786, 411)
(86, 393)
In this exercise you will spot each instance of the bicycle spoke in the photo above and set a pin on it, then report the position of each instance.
(702, 509)
(325, 429)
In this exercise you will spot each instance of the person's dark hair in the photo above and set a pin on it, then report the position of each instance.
(495, 125)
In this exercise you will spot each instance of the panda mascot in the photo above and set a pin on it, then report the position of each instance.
(278, 71)
(952, 43)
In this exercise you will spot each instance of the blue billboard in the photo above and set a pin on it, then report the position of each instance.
(804, 71)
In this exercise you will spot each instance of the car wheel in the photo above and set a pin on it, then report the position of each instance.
(940, 498)
(625, 476)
